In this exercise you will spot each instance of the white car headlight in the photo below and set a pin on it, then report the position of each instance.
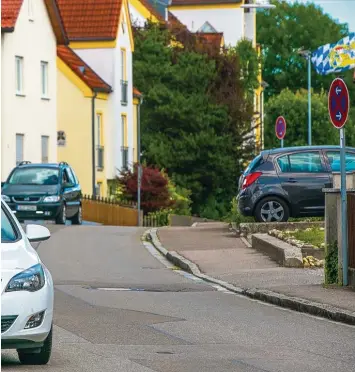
(30, 280)
(6, 198)
(51, 199)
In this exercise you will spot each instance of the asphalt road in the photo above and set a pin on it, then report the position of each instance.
(118, 308)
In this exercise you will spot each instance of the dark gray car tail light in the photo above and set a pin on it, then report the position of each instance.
(250, 179)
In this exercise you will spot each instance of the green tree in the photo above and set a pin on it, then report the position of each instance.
(293, 106)
(193, 120)
(282, 32)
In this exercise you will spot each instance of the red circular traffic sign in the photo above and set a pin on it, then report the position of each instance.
(338, 103)
(280, 127)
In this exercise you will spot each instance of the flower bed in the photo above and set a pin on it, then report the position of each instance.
(310, 241)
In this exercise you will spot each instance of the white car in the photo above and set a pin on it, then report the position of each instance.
(26, 292)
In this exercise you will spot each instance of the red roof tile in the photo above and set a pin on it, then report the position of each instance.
(82, 70)
(10, 10)
(203, 2)
(136, 92)
(91, 19)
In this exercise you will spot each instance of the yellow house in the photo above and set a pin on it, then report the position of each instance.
(142, 11)
(82, 105)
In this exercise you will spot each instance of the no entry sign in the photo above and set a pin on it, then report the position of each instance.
(338, 103)
(280, 127)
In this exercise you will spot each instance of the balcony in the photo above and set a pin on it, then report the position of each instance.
(124, 92)
(124, 158)
(100, 157)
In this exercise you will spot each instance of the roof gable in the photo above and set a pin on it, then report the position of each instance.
(207, 28)
(10, 10)
(82, 70)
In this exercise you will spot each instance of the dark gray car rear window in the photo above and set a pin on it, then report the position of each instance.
(254, 164)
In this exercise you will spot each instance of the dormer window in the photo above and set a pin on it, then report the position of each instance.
(30, 10)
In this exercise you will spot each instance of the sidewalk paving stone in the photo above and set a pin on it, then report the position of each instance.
(218, 253)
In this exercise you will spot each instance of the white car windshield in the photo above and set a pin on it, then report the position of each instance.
(8, 230)
(35, 176)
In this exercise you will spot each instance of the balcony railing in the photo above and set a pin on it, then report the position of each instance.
(100, 157)
(124, 157)
(124, 92)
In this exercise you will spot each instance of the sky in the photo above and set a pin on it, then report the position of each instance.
(342, 10)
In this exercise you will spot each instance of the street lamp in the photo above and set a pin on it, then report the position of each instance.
(308, 54)
(264, 85)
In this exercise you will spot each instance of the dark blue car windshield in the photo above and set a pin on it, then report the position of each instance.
(35, 176)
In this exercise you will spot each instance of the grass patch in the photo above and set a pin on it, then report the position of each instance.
(313, 236)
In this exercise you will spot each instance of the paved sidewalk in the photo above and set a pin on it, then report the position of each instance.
(219, 254)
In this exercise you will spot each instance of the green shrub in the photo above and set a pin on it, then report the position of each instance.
(331, 264)
(235, 216)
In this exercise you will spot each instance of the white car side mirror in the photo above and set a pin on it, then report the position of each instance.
(37, 233)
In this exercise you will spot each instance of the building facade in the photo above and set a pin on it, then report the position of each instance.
(101, 35)
(30, 32)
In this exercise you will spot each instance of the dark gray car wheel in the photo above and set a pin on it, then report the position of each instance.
(62, 217)
(37, 358)
(272, 209)
(78, 218)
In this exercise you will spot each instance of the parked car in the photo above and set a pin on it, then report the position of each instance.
(26, 292)
(44, 192)
(288, 182)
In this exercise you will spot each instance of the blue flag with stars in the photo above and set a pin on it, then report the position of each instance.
(337, 57)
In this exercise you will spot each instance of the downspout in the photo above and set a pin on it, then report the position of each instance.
(93, 143)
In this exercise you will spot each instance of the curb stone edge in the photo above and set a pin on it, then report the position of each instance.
(274, 298)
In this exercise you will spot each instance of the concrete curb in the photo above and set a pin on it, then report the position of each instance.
(278, 299)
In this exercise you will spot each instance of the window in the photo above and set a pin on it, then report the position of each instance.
(19, 75)
(99, 129)
(334, 161)
(98, 188)
(44, 79)
(124, 131)
(45, 144)
(19, 148)
(71, 170)
(124, 142)
(123, 25)
(70, 175)
(123, 65)
(8, 231)
(305, 162)
(34, 176)
(30, 10)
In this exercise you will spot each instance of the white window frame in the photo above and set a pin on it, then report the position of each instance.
(44, 80)
(46, 138)
(19, 75)
(22, 136)
(30, 10)
(99, 128)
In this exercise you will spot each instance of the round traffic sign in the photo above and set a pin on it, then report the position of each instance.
(338, 103)
(280, 127)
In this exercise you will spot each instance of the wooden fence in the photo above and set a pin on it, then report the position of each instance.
(351, 229)
(108, 212)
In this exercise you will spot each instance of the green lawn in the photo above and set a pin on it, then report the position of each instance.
(312, 236)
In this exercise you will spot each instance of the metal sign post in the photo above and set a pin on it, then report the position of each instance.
(280, 129)
(338, 105)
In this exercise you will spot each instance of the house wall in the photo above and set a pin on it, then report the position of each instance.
(139, 13)
(229, 20)
(75, 119)
(107, 63)
(135, 129)
(34, 40)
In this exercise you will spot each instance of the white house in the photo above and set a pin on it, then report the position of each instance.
(30, 32)
(226, 16)
(100, 32)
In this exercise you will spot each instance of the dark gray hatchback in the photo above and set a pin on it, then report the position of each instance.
(288, 182)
